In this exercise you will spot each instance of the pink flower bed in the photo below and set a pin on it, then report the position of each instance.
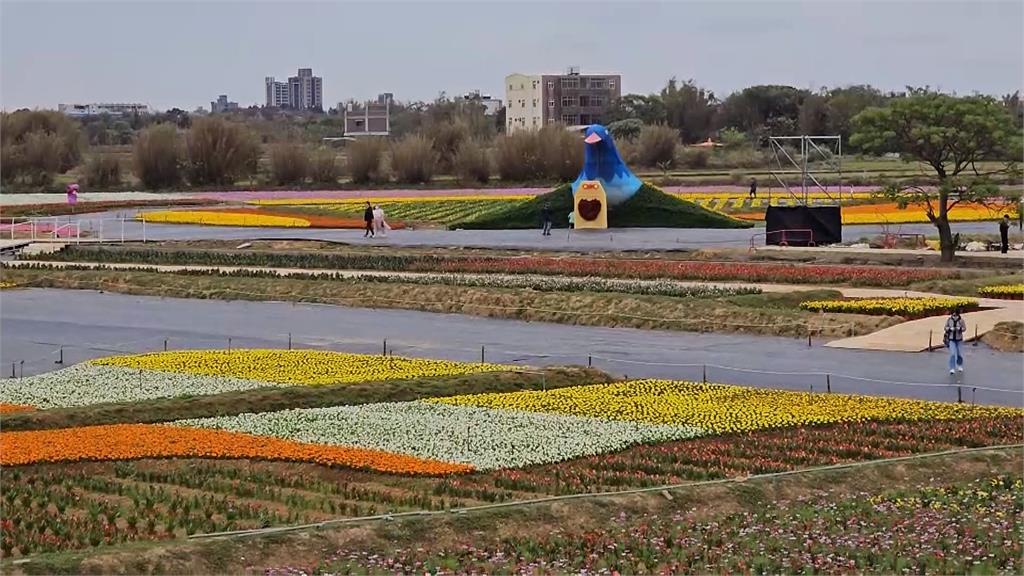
(42, 229)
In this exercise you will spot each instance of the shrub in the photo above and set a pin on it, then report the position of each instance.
(103, 171)
(561, 152)
(694, 157)
(743, 157)
(324, 167)
(629, 150)
(156, 157)
(471, 163)
(518, 157)
(220, 152)
(658, 146)
(626, 130)
(36, 144)
(738, 176)
(732, 138)
(446, 137)
(366, 160)
(413, 159)
(289, 163)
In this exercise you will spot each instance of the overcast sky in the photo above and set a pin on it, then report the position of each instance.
(184, 54)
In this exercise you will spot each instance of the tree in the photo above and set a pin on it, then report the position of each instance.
(845, 103)
(647, 109)
(763, 111)
(952, 136)
(689, 109)
(157, 157)
(36, 144)
(814, 115)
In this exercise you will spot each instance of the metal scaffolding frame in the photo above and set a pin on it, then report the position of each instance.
(826, 149)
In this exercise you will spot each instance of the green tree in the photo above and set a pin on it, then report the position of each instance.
(952, 136)
(647, 109)
(845, 103)
(689, 109)
(36, 144)
(157, 157)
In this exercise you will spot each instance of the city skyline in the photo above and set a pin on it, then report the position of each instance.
(217, 48)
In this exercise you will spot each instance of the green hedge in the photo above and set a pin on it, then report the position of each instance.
(648, 208)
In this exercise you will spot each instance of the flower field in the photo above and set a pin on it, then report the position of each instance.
(717, 408)
(892, 213)
(221, 218)
(7, 285)
(908, 307)
(964, 528)
(1008, 291)
(203, 372)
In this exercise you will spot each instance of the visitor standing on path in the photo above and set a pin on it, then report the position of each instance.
(953, 337)
(368, 220)
(753, 188)
(572, 220)
(378, 221)
(1004, 234)
(545, 216)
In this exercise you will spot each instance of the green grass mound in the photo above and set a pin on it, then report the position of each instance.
(648, 208)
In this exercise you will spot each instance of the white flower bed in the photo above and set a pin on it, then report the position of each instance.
(483, 437)
(85, 384)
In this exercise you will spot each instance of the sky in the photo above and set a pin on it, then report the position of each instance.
(183, 54)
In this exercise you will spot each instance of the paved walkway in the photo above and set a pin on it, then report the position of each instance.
(912, 336)
(38, 322)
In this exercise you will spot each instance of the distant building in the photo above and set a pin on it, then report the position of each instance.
(277, 93)
(82, 110)
(386, 98)
(301, 92)
(572, 98)
(367, 119)
(491, 105)
(222, 105)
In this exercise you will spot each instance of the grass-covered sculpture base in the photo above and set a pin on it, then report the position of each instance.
(648, 208)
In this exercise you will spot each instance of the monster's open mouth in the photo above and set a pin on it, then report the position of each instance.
(589, 209)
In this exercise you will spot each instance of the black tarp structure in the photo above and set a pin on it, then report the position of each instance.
(803, 225)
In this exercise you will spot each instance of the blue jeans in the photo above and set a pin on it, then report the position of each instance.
(956, 358)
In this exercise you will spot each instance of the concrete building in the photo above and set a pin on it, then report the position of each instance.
(572, 98)
(222, 105)
(491, 105)
(305, 91)
(97, 109)
(369, 118)
(301, 92)
(277, 93)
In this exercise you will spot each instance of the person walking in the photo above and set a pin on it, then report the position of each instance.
(572, 220)
(953, 338)
(379, 225)
(545, 216)
(1004, 234)
(753, 188)
(368, 220)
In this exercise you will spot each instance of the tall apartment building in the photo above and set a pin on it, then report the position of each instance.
(301, 92)
(572, 98)
(222, 105)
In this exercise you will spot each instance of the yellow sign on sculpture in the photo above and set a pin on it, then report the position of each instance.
(591, 206)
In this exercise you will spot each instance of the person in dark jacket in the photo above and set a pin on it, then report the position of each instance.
(368, 220)
(545, 217)
(953, 338)
(753, 188)
(1004, 234)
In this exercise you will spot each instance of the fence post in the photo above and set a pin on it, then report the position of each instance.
(101, 230)
(21, 369)
(929, 340)
(828, 383)
(975, 343)
(808, 337)
(12, 370)
(704, 378)
(122, 229)
(481, 354)
(61, 359)
(165, 344)
(229, 344)
(385, 346)
(289, 340)
(143, 230)
(590, 361)
(959, 395)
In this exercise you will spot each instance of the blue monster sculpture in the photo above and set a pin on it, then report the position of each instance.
(601, 161)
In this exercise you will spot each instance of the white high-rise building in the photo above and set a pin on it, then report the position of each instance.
(524, 105)
(277, 93)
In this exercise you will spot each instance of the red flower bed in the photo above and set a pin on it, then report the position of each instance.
(689, 270)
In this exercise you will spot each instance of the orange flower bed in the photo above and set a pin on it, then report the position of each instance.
(315, 220)
(12, 408)
(134, 441)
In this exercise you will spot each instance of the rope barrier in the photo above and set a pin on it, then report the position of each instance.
(596, 495)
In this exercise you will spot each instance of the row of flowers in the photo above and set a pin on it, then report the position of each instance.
(965, 528)
(305, 367)
(719, 408)
(134, 441)
(1007, 291)
(546, 265)
(900, 306)
(221, 218)
(204, 372)
(480, 437)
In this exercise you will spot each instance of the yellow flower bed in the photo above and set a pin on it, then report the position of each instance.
(717, 408)
(218, 218)
(1003, 291)
(913, 307)
(6, 285)
(396, 200)
(962, 213)
(305, 367)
